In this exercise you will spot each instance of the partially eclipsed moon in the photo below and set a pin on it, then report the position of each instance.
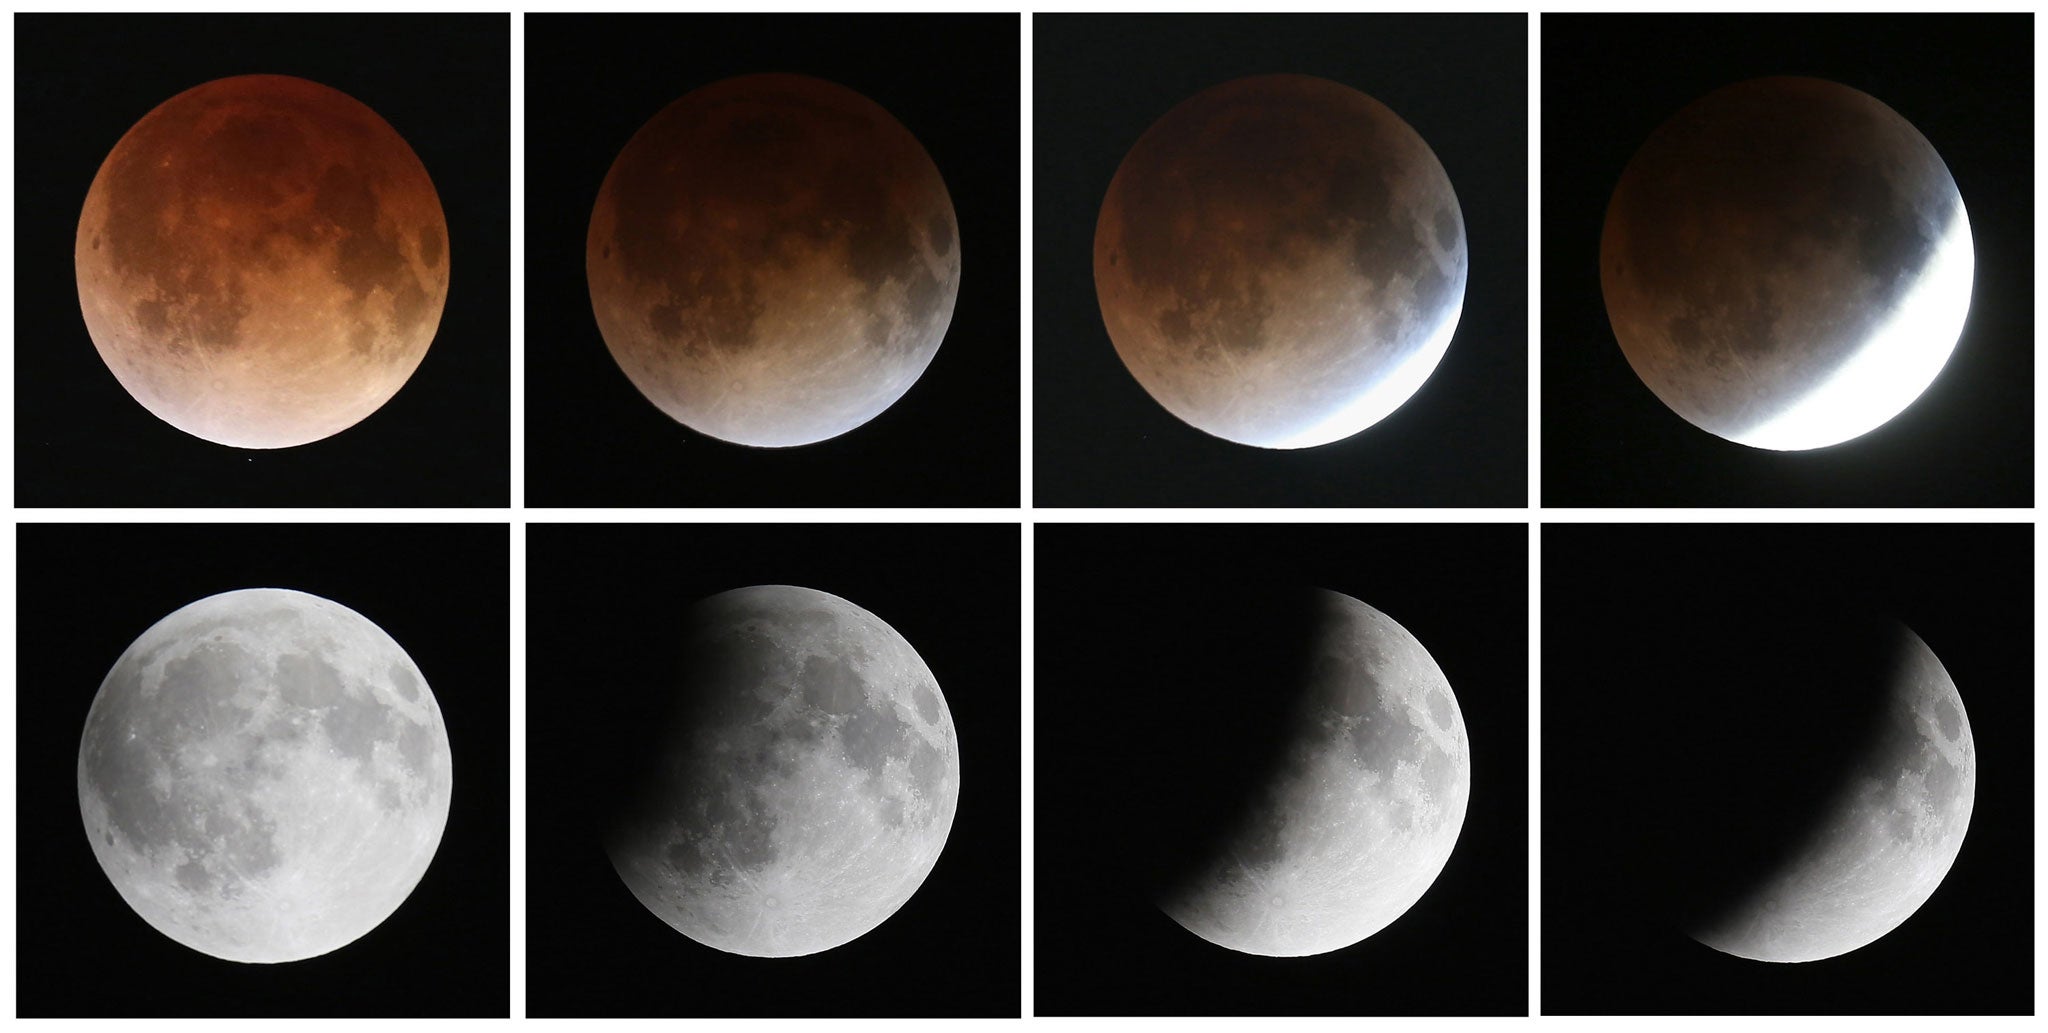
(773, 260)
(1887, 841)
(1364, 813)
(1280, 261)
(264, 775)
(262, 261)
(1787, 263)
(806, 785)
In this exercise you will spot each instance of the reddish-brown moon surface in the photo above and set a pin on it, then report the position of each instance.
(773, 260)
(262, 261)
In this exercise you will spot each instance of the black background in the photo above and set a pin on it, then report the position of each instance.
(605, 609)
(442, 81)
(89, 590)
(1965, 82)
(592, 439)
(1683, 698)
(1148, 684)
(1099, 82)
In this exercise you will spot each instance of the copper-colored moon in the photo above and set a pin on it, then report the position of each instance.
(773, 260)
(1280, 261)
(1787, 263)
(262, 261)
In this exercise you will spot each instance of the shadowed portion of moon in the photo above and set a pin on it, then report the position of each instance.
(1280, 261)
(264, 776)
(1359, 813)
(1884, 834)
(262, 261)
(1787, 263)
(803, 784)
(773, 260)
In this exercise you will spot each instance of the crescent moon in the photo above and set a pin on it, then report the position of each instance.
(1890, 837)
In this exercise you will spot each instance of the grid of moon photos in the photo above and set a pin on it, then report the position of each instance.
(1023, 514)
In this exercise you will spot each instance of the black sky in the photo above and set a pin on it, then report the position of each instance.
(592, 439)
(1099, 81)
(1685, 704)
(441, 591)
(1966, 82)
(1148, 701)
(605, 610)
(441, 81)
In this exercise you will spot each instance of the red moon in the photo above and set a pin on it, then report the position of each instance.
(773, 260)
(262, 261)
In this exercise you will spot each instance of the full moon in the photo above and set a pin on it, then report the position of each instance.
(262, 261)
(264, 775)
(773, 260)
(806, 784)
(1888, 839)
(1787, 263)
(1280, 261)
(1364, 811)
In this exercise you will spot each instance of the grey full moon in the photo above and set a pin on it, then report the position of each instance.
(1363, 814)
(264, 775)
(807, 785)
(262, 261)
(1280, 261)
(1888, 840)
(1787, 263)
(773, 260)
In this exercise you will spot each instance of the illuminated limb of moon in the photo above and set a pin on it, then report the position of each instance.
(1888, 840)
(264, 776)
(1364, 814)
(262, 261)
(1281, 261)
(1787, 263)
(773, 260)
(810, 786)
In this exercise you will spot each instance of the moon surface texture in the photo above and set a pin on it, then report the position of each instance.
(1280, 261)
(1364, 811)
(262, 261)
(773, 260)
(805, 788)
(1787, 263)
(264, 775)
(1888, 840)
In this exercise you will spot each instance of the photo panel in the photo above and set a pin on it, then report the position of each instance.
(1788, 769)
(268, 773)
(772, 768)
(771, 261)
(289, 265)
(1280, 260)
(1790, 262)
(1281, 770)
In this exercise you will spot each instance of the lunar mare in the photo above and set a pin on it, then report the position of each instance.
(262, 261)
(1787, 263)
(1888, 840)
(1281, 261)
(808, 787)
(773, 260)
(264, 775)
(1363, 814)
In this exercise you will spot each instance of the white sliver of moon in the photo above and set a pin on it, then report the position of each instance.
(264, 776)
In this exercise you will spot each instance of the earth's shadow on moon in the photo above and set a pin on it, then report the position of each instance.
(1778, 705)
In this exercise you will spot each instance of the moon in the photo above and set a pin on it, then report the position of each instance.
(1787, 263)
(1280, 261)
(1362, 815)
(1889, 837)
(773, 260)
(264, 775)
(806, 785)
(262, 261)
